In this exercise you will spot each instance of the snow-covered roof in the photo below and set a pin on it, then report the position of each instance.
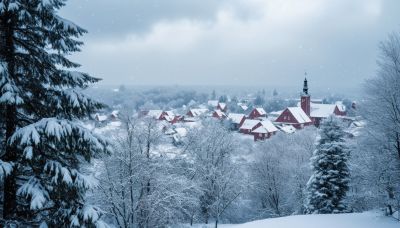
(276, 113)
(249, 124)
(322, 110)
(355, 127)
(260, 129)
(299, 115)
(266, 127)
(289, 129)
(235, 117)
(115, 112)
(269, 126)
(340, 106)
(261, 111)
(213, 103)
(243, 106)
(169, 118)
(198, 111)
(101, 117)
(155, 113)
(170, 113)
(219, 113)
(222, 105)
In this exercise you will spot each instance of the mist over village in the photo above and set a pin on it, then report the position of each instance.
(174, 113)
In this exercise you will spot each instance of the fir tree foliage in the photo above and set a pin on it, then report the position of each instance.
(329, 182)
(43, 101)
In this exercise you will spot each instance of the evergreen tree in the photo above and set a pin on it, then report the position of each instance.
(223, 98)
(275, 93)
(259, 101)
(328, 185)
(45, 144)
(213, 95)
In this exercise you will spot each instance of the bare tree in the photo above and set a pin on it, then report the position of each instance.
(280, 172)
(142, 186)
(211, 149)
(381, 109)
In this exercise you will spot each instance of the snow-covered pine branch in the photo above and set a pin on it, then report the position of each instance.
(41, 95)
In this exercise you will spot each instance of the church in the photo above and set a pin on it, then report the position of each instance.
(308, 112)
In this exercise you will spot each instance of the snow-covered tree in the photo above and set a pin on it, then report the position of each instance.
(143, 186)
(42, 98)
(211, 149)
(329, 182)
(280, 173)
(382, 106)
(377, 157)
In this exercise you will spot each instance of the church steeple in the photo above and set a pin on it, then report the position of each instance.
(305, 98)
(305, 85)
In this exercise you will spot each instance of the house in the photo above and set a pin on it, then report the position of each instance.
(156, 114)
(196, 112)
(170, 117)
(114, 115)
(236, 120)
(243, 107)
(318, 112)
(355, 128)
(258, 113)
(341, 108)
(264, 130)
(219, 114)
(294, 116)
(322, 111)
(222, 107)
(248, 125)
(100, 118)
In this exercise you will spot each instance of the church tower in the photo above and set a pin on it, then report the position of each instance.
(305, 98)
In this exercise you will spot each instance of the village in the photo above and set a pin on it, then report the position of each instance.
(254, 123)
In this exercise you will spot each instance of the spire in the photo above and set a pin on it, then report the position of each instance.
(305, 86)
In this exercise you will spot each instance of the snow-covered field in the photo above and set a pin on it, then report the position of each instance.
(355, 220)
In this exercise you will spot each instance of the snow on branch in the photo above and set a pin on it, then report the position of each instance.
(5, 168)
(58, 131)
(76, 78)
(71, 177)
(69, 25)
(34, 190)
(8, 91)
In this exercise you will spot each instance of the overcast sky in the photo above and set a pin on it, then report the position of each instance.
(232, 42)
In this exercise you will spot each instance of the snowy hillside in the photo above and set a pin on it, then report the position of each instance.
(356, 220)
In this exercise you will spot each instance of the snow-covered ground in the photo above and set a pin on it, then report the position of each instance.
(355, 220)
